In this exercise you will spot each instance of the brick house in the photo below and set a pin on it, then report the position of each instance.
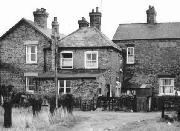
(151, 54)
(88, 63)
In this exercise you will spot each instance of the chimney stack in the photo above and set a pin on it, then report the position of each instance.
(83, 23)
(95, 18)
(40, 17)
(151, 15)
(55, 26)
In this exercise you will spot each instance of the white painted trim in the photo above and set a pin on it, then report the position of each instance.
(58, 86)
(66, 51)
(29, 42)
(27, 86)
(127, 60)
(28, 61)
(160, 85)
(110, 91)
(30, 74)
(69, 58)
(85, 58)
(64, 86)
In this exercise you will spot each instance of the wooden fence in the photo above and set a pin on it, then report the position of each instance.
(170, 103)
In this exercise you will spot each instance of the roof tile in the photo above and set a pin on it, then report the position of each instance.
(147, 31)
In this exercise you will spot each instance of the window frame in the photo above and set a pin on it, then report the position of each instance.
(66, 58)
(28, 59)
(27, 84)
(65, 87)
(161, 85)
(128, 56)
(85, 59)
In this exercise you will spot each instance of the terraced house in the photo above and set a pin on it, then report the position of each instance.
(88, 63)
(151, 55)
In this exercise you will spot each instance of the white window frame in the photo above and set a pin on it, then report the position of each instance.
(161, 86)
(130, 56)
(27, 85)
(85, 60)
(61, 59)
(64, 86)
(28, 54)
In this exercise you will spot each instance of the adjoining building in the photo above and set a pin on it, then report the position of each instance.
(151, 55)
(88, 63)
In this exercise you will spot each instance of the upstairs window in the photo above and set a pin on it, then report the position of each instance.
(166, 86)
(91, 59)
(64, 86)
(130, 55)
(31, 54)
(66, 60)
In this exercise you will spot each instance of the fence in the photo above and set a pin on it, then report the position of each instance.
(123, 103)
(171, 103)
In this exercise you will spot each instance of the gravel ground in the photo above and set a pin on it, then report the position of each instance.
(109, 121)
(92, 121)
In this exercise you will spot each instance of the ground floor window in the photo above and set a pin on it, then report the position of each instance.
(64, 86)
(166, 86)
(30, 84)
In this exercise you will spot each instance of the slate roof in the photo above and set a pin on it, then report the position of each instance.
(147, 31)
(46, 32)
(87, 37)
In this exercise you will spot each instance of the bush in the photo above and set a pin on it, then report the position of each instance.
(64, 101)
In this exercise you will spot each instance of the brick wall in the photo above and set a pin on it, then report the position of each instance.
(108, 59)
(13, 52)
(153, 57)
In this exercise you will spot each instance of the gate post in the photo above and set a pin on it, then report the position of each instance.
(162, 115)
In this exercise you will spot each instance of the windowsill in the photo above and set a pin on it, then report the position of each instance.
(130, 63)
(31, 63)
(66, 68)
(91, 67)
(30, 91)
(167, 94)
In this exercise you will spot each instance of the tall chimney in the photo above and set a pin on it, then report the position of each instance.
(151, 15)
(95, 18)
(55, 37)
(83, 23)
(55, 26)
(40, 17)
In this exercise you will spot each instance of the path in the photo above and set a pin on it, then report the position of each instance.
(106, 121)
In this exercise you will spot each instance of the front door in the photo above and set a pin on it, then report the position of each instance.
(108, 90)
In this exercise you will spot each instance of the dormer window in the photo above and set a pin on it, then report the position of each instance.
(66, 60)
(130, 55)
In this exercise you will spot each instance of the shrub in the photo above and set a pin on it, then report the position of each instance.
(64, 101)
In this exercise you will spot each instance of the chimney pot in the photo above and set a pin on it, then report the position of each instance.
(55, 18)
(97, 9)
(151, 15)
(55, 26)
(40, 17)
(95, 19)
(83, 23)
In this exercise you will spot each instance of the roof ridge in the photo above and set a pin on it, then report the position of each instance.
(149, 24)
(69, 34)
(147, 31)
(107, 39)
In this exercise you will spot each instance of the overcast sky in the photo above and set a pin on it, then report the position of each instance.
(114, 12)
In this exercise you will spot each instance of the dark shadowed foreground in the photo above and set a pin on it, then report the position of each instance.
(23, 120)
